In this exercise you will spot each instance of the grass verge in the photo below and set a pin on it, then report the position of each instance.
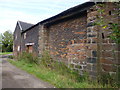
(4, 53)
(58, 78)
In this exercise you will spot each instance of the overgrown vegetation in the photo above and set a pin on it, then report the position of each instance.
(108, 79)
(28, 58)
(54, 72)
(101, 21)
(11, 56)
(115, 35)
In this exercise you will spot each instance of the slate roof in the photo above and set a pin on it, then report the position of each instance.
(24, 25)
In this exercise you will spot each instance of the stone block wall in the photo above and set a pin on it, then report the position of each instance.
(92, 38)
(77, 56)
(41, 40)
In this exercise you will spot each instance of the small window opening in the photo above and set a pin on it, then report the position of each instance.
(103, 35)
(110, 12)
(92, 9)
(110, 23)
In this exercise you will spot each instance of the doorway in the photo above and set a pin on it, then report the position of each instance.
(29, 48)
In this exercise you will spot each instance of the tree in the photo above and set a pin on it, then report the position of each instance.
(7, 41)
(0, 42)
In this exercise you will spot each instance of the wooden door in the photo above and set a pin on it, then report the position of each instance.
(29, 48)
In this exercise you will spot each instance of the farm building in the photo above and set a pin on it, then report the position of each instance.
(73, 37)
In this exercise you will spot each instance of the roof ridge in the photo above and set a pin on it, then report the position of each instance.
(24, 25)
(25, 22)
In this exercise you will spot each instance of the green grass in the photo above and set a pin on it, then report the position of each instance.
(4, 53)
(58, 78)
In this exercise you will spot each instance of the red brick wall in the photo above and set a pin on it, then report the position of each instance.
(65, 36)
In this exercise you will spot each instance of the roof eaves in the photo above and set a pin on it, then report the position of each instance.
(67, 12)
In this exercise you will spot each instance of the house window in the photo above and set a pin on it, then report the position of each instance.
(16, 37)
(18, 48)
(24, 35)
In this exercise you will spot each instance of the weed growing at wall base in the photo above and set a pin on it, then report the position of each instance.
(28, 58)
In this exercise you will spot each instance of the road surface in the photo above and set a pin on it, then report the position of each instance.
(13, 77)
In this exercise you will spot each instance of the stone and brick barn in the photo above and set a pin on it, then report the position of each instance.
(71, 37)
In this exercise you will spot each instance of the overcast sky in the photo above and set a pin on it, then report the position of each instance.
(31, 11)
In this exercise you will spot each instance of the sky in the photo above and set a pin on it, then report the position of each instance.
(31, 11)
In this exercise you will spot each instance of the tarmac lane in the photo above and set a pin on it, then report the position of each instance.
(13, 77)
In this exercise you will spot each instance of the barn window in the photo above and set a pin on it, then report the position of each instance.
(110, 12)
(103, 35)
(24, 35)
